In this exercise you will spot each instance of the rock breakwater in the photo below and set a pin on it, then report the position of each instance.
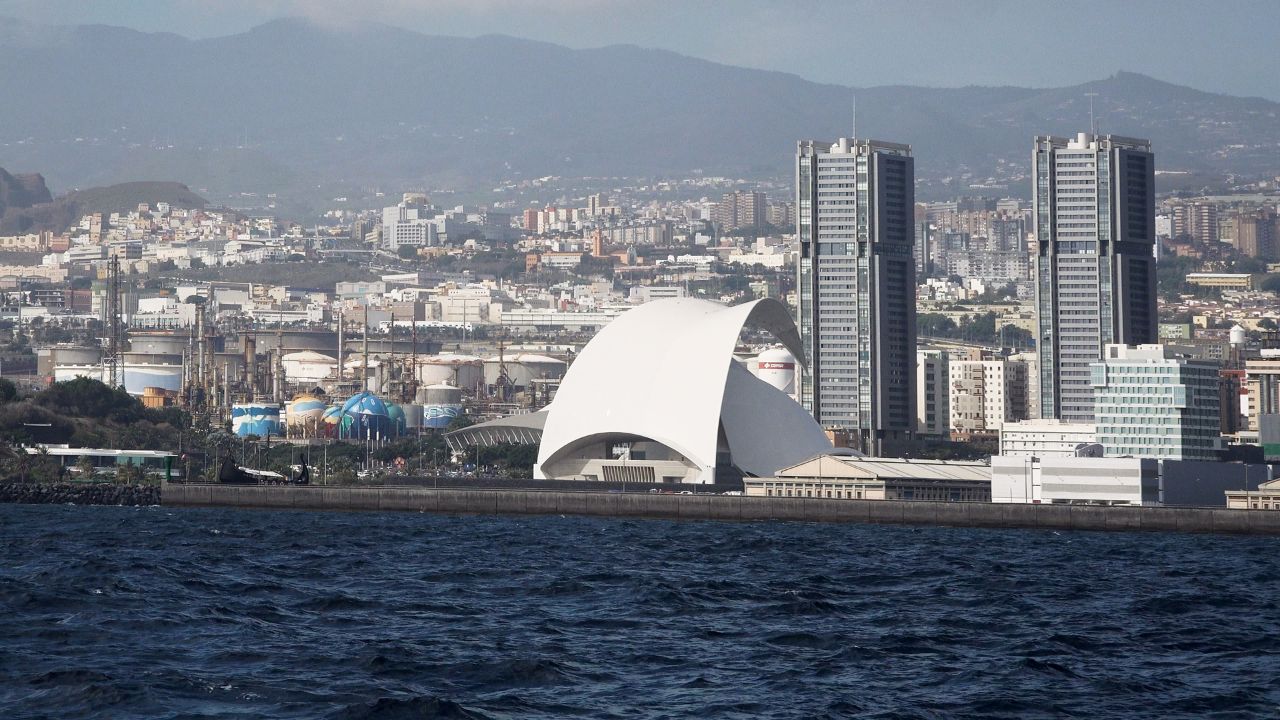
(79, 493)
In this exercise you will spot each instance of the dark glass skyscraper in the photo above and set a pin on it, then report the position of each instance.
(1095, 262)
(855, 212)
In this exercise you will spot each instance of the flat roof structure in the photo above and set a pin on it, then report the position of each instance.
(870, 478)
(863, 468)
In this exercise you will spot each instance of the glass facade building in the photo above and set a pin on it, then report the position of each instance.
(1154, 401)
(855, 213)
(1095, 261)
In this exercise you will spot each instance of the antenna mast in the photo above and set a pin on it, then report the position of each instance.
(854, 107)
(1093, 126)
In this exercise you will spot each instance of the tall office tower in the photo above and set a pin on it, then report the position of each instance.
(1095, 265)
(856, 279)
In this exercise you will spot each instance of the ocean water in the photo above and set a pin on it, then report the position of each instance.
(168, 613)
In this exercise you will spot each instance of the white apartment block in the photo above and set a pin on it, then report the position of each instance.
(933, 413)
(986, 394)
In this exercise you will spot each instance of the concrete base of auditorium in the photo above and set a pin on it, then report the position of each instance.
(725, 507)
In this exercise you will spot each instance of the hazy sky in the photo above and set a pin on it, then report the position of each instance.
(1225, 46)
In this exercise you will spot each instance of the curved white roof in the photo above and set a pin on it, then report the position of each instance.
(665, 371)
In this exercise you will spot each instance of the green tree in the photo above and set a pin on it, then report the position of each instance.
(8, 391)
(935, 325)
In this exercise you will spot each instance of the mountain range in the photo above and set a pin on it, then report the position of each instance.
(304, 110)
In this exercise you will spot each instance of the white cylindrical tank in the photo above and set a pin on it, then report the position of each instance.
(777, 366)
(138, 376)
(261, 419)
(1237, 335)
(441, 405)
(524, 368)
(412, 415)
(464, 371)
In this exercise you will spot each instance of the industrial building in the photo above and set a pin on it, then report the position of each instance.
(152, 462)
(863, 478)
(1121, 481)
(1049, 438)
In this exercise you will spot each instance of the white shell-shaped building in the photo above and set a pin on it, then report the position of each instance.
(656, 396)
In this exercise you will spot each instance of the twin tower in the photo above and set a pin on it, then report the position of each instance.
(1094, 227)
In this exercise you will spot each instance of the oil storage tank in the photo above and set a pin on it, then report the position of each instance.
(464, 371)
(365, 415)
(777, 366)
(261, 419)
(524, 368)
(302, 416)
(412, 416)
(138, 376)
(441, 405)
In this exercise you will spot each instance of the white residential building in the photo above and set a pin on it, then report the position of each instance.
(986, 394)
(933, 414)
(406, 224)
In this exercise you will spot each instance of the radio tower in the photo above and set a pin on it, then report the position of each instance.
(112, 360)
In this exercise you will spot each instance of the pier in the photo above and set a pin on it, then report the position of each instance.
(724, 507)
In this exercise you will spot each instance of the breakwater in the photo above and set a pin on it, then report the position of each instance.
(726, 507)
(79, 493)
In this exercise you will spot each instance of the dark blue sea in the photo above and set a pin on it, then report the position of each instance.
(166, 613)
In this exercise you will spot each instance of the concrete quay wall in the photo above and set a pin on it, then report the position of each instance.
(725, 507)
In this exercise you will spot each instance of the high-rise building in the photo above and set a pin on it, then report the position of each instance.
(782, 214)
(407, 224)
(856, 280)
(986, 394)
(923, 251)
(1155, 401)
(1095, 264)
(1256, 234)
(740, 209)
(1197, 221)
(933, 413)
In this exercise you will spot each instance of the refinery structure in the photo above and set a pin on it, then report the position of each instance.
(350, 380)
(356, 380)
